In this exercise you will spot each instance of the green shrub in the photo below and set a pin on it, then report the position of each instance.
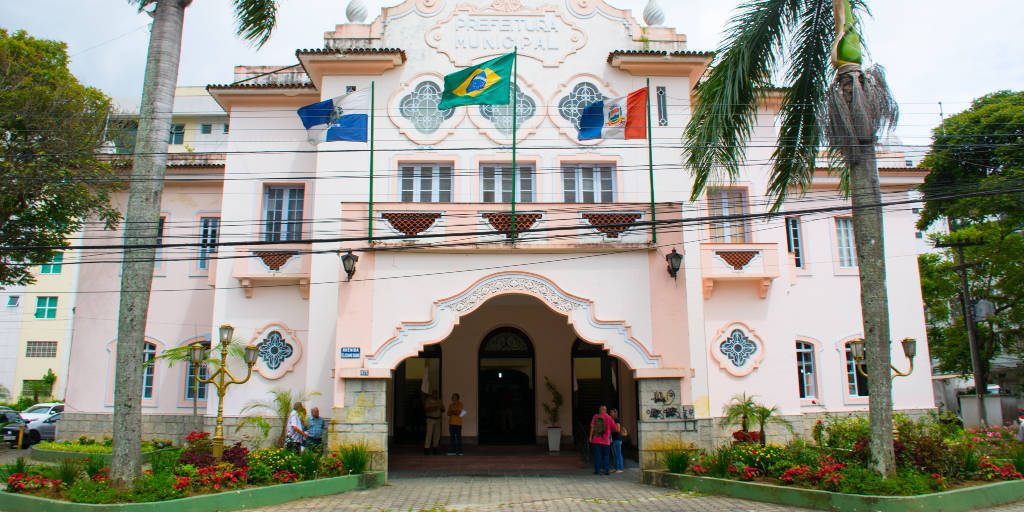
(186, 470)
(156, 488)
(862, 480)
(355, 457)
(78, 447)
(163, 463)
(677, 460)
(760, 457)
(68, 470)
(720, 461)
(1017, 458)
(307, 464)
(93, 467)
(89, 491)
(19, 466)
(264, 463)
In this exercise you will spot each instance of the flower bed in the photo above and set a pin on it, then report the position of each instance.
(931, 456)
(182, 473)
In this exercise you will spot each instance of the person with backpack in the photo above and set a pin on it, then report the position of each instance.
(601, 427)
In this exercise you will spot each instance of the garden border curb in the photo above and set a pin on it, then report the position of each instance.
(957, 500)
(42, 455)
(239, 499)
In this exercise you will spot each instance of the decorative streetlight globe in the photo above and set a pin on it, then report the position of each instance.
(857, 349)
(675, 262)
(226, 333)
(251, 353)
(348, 262)
(197, 353)
(909, 347)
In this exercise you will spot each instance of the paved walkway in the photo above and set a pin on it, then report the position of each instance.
(562, 492)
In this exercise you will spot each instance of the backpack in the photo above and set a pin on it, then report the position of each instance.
(599, 425)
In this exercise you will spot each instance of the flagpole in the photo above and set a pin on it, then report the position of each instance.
(369, 225)
(650, 165)
(515, 102)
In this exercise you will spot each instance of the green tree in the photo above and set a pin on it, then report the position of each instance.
(51, 128)
(799, 39)
(740, 409)
(996, 275)
(764, 416)
(979, 149)
(255, 21)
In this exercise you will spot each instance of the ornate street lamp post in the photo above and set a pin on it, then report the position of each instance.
(222, 378)
(909, 350)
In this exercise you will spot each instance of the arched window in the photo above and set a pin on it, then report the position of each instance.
(806, 374)
(856, 382)
(196, 390)
(148, 381)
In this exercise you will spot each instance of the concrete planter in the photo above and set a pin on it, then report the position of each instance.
(554, 439)
(231, 500)
(958, 500)
(35, 453)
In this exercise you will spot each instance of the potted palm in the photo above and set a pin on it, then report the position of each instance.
(551, 410)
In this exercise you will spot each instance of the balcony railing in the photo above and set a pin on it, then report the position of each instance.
(756, 263)
(490, 225)
(272, 265)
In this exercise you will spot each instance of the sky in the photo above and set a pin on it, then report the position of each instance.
(934, 50)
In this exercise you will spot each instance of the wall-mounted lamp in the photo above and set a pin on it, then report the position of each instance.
(909, 350)
(348, 262)
(675, 261)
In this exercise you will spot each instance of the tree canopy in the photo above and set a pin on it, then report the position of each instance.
(981, 148)
(51, 128)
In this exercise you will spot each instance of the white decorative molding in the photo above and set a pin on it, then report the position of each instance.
(653, 15)
(616, 336)
(356, 11)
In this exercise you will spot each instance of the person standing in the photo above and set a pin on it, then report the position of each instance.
(295, 434)
(617, 465)
(601, 427)
(315, 431)
(455, 413)
(433, 407)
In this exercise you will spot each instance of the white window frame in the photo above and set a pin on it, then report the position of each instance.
(806, 369)
(846, 251)
(54, 266)
(852, 375)
(728, 201)
(283, 216)
(148, 370)
(176, 134)
(496, 182)
(209, 233)
(590, 183)
(426, 182)
(43, 349)
(794, 241)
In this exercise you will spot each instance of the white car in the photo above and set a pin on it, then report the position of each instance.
(41, 411)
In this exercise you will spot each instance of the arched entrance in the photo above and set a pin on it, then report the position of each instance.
(506, 388)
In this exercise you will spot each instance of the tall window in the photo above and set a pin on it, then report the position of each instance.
(282, 213)
(805, 374)
(177, 135)
(844, 242)
(53, 267)
(496, 183)
(41, 349)
(426, 183)
(662, 106)
(46, 307)
(209, 231)
(191, 391)
(726, 202)
(588, 183)
(793, 240)
(857, 383)
(148, 353)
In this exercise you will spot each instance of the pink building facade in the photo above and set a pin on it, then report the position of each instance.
(442, 300)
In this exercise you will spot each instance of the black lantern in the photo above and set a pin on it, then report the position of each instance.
(348, 262)
(675, 261)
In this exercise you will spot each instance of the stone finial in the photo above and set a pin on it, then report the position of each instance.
(653, 15)
(356, 11)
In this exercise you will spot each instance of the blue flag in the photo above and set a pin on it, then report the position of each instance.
(343, 118)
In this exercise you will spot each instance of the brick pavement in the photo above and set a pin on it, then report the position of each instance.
(567, 491)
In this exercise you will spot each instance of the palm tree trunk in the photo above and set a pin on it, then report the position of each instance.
(141, 224)
(866, 196)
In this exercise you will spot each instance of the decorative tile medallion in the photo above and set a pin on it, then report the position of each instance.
(279, 350)
(274, 350)
(737, 348)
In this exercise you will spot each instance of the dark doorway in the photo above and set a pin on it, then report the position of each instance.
(595, 375)
(506, 393)
(409, 417)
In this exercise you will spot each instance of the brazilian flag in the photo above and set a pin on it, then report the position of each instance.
(488, 83)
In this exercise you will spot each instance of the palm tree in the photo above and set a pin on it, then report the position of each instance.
(740, 409)
(843, 105)
(768, 415)
(279, 406)
(256, 20)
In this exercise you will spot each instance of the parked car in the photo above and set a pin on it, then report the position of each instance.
(44, 429)
(9, 416)
(42, 411)
(9, 432)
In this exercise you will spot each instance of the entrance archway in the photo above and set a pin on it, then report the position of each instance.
(506, 388)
